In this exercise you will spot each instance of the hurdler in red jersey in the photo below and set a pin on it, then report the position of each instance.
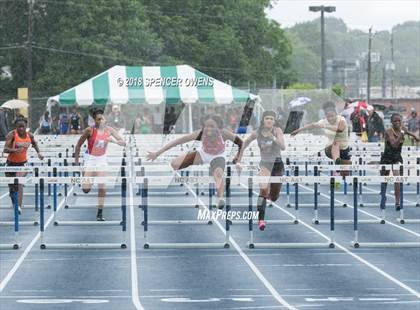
(98, 137)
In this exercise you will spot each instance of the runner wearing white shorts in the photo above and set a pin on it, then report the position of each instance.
(212, 151)
(98, 137)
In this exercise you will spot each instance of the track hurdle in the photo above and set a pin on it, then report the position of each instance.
(293, 221)
(417, 192)
(357, 244)
(317, 221)
(16, 245)
(23, 179)
(297, 245)
(122, 223)
(401, 219)
(182, 245)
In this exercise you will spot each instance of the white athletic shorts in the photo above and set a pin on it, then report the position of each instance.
(207, 158)
(95, 161)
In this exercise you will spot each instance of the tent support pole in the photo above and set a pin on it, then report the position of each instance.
(190, 125)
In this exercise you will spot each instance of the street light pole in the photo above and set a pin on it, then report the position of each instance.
(29, 59)
(392, 66)
(323, 69)
(323, 9)
(369, 68)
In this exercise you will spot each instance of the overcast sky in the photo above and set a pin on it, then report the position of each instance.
(357, 14)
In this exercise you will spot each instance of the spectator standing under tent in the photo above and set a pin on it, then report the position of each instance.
(157, 121)
(75, 122)
(63, 122)
(170, 119)
(116, 119)
(146, 122)
(45, 123)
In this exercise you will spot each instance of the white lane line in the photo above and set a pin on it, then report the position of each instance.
(378, 299)
(134, 274)
(333, 299)
(275, 307)
(401, 302)
(373, 267)
(169, 290)
(381, 288)
(311, 265)
(19, 262)
(251, 265)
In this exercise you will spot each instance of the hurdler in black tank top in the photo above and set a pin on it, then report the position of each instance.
(391, 155)
(269, 150)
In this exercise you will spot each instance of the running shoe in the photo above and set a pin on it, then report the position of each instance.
(99, 216)
(397, 207)
(261, 225)
(221, 204)
(20, 210)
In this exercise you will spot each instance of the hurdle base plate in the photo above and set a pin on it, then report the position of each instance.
(87, 223)
(385, 244)
(344, 222)
(408, 221)
(167, 194)
(11, 246)
(303, 245)
(272, 222)
(178, 222)
(69, 246)
(21, 223)
(320, 205)
(191, 245)
(169, 206)
(93, 206)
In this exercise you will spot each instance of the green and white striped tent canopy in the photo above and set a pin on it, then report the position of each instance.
(151, 85)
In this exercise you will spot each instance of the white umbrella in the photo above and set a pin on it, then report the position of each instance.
(298, 102)
(14, 104)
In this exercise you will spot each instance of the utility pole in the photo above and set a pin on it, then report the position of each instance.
(392, 66)
(369, 67)
(323, 9)
(323, 69)
(29, 58)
